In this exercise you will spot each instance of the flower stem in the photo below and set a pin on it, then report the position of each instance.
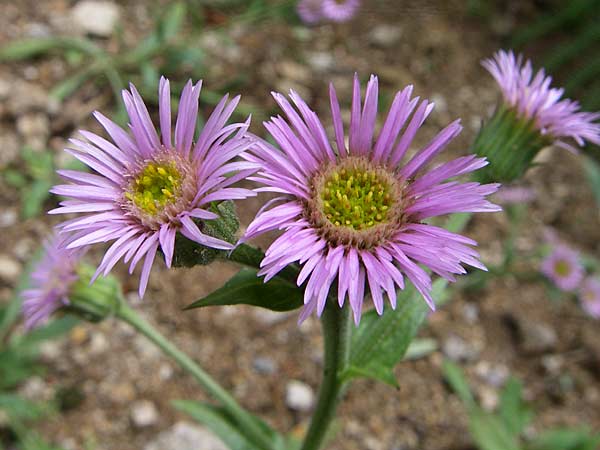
(336, 335)
(244, 419)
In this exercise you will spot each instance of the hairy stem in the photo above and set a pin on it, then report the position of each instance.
(336, 335)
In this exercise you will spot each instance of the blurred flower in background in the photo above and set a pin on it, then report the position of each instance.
(314, 11)
(147, 189)
(535, 100)
(532, 116)
(563, 267)
(51, 281)
(589, 297)
(509, 195)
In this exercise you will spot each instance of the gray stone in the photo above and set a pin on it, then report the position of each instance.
(8, 217)
(320, 61)
(186, 436)
(299, 396)
(98, 343)
(385, 35)
(35, 129)
(537, 337)
(143, 414)
(26, 97)
(294, 71)
(493, 374)
(265, 366)
(10, 269)
(9, 148)
(457, 349)
(470, 312)
(268, 317)
(95, 17)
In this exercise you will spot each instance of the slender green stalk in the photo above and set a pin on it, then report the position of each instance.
(244, 419)
(336, 334)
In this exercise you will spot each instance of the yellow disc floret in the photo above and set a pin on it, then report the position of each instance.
(157, 185)
(355, 198)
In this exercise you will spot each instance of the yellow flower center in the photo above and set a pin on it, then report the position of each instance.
(157, 185)
(562, 268)
(355, 197)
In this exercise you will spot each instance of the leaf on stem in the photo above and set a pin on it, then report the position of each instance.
(246, 288)
(380, 342)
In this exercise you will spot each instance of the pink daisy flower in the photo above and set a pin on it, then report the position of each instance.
(355, 215)
(145, 188)
(589, 296)
(51, 281)
(563, 268)
(532, 97)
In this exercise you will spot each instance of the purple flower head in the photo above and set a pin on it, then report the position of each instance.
(339, 10)
(355, 215)
(589, 296)
(563, 268)
(510, 195)
(533, 98)
(147, 188)
(51, 281)
(310, 11)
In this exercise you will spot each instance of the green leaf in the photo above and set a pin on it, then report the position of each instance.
(217, 421)
(170, 24)
(33, 198)
(19, 408)
(456, 379)
(246, 288)
(29, 342)
(566, 439)
(490, 433)
(28, 48)
(513, 410)
(380, 342)
(15, 368)
(419, 348)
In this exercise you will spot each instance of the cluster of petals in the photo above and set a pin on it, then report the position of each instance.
(50, 281)
(563, 267)
(304, 148)
(533, 98)
(314, 11)
(210, 163)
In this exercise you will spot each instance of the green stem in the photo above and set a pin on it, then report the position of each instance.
(244, 419)
(336, 334)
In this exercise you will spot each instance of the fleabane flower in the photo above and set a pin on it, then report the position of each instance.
(310, 11)
(563, 267)
(354, 216)
(314, 11)
(145, 188)
(50, 281)
(339, 10)
(531, 116)
(589, 297)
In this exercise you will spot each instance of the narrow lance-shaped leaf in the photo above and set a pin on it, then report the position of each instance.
(246, 288)
(380, 342)
(225, 427)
